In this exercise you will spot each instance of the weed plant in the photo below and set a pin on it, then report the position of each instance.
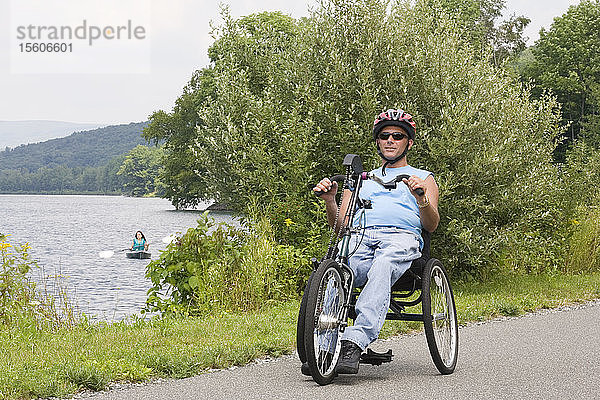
(17, 293)
(221, 267)
(584, 249)
(45, 305)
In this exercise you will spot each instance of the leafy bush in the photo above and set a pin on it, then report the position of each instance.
(214, 267)
(21, 303)
(293, 97)
(17, 293)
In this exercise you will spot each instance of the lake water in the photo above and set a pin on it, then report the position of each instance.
(67, 233)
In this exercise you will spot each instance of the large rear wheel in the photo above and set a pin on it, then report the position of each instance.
(300, 325)
(324, 314)
(439, 317)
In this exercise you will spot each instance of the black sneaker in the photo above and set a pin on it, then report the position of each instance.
(350, 357)
(305, 369)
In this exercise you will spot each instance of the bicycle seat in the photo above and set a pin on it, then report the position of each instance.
(411, 279)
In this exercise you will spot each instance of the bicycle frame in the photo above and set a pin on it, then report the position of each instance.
(351, 180)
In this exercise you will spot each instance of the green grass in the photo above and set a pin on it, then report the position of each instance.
(584, 247)
(43, 363)
(517, 295)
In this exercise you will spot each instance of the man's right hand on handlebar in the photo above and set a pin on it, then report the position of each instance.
(327, 188)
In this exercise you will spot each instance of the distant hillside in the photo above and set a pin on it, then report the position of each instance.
(15, 133)
(92, 148)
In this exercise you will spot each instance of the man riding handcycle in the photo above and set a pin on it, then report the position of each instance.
(382, 231)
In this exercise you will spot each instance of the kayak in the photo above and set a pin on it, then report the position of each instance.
(138, 254)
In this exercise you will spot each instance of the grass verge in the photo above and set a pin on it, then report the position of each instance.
(36, 363)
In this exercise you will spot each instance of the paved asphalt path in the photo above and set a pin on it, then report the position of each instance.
(550, 355)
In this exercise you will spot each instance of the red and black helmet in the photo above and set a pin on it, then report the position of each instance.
(393, 117)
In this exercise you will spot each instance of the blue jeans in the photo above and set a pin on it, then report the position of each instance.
(383, 255)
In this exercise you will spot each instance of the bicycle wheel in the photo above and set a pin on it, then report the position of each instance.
(300, 325)
(324, 313)
(439, 317)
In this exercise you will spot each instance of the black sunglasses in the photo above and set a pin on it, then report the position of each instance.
(386, 135)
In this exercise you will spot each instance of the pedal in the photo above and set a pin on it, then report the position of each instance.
(373, 358)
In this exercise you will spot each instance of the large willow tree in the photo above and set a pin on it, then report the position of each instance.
(291, 98)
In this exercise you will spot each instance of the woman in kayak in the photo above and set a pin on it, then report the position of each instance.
(139, 242)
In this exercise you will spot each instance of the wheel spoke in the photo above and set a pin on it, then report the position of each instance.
(442, 312)
(327, 320)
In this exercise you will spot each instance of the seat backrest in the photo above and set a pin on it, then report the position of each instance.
(418, 264)
(425, 252)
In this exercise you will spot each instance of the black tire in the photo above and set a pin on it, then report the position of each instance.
(322, 326)
(300, 326)
(439, 317)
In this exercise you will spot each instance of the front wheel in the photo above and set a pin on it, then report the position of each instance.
(439, 317)
(324, 321)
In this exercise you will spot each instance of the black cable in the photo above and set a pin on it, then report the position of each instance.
(362, 236)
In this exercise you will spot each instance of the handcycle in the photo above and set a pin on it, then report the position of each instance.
(330, 296)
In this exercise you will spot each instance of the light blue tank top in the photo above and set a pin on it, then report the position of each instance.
(138, 244)
(396, 207)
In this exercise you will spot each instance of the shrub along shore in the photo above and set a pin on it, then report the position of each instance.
(44, 362)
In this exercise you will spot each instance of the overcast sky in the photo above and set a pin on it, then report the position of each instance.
(175, 44)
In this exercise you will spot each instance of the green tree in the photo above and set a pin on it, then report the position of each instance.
(110, 182)
(186, 181)
(508, 40)
(141, 169)
(288, 99)
(287, 118)
(183, 185)
(58, 179)
(590, 132)
(567, 63)
(478, 22)
(89, 180)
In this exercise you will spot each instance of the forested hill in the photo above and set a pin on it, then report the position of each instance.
(84, 162)
(92, 148)
(16, 133)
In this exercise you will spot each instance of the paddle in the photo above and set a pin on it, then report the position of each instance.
(169, 239)
(108, 253)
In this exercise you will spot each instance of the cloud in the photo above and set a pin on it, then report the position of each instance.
(179, 34)
(541, 13)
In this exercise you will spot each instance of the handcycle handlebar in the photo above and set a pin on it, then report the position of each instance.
(336, 178)
(393, 184)
(390, 184)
